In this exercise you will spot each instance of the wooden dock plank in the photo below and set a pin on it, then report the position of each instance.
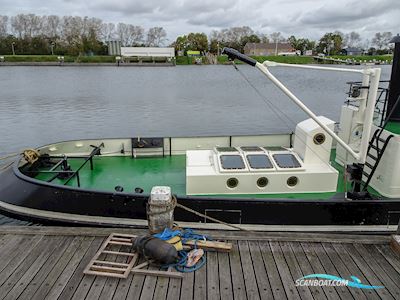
(382, 270)
(345, 273)
(318, 268)
(200, 284)
(250, 280)
(306, 269)
(354, 269)
(11, 249)
(56, 285)
(392, 273)
(52, 276)
(216, 234)
(295, 270)
(366, 270)
(161, 288)
(79, 284)
(263, 285)
(238, 287)
(12, 259)
(277, 288)
(284, 271)
(258, 267)
(122, 287)
(392, 257)
(149, 286)
(8, 241)
(28, 268)
(174, 288)
(212, 276)
(67, 282)
(225, 283)
(343, 291)
(26, 288)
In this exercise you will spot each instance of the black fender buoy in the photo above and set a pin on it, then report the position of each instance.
(154, 248)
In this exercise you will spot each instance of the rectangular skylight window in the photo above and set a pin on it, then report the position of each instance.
(259, 161)
(232, 162)
(286, 160)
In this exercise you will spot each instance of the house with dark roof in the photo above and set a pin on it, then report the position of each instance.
(264, 49)
(352, 51)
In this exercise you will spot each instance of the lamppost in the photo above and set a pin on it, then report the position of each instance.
(12, 47)
(52, 48)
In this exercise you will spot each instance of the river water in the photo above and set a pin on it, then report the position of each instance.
(40, 105)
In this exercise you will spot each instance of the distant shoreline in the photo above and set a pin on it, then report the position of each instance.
(52, 60)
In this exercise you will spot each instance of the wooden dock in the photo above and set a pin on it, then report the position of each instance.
(48, 263)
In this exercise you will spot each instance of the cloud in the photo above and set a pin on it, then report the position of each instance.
(306, 18)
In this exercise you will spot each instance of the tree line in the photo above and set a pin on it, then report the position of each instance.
(74, 35)
(70, 35)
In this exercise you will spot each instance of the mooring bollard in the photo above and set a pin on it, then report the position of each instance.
(160, 209)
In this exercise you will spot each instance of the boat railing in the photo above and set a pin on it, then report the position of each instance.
(69, 174)
(354, 91)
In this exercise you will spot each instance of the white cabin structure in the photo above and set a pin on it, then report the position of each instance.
(167, 52)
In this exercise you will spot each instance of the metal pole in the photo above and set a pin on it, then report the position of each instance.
(369, 113)
(12, 47)
(297, 101)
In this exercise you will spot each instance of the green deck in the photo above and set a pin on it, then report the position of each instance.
(145, 173)
(393, 127)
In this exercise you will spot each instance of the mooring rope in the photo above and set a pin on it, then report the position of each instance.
(174, 203)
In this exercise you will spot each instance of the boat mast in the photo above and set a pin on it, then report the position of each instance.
(371, 77)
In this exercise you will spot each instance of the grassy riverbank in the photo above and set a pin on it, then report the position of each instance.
(182, 60)
(363, 57)
(54, 58)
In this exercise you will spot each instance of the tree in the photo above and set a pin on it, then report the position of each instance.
(52, 27)
(263, 38)
(156, 36)
(3, 26)
(108, 32)
(249, 39)
(352, 39)
(197, 41)
(330, 43)
(234, 37)
(301, 44)
(135, 35)
(381, 40)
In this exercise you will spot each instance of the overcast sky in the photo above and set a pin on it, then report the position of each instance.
(304, 18)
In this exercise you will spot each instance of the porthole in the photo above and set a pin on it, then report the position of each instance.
(232, 183)
(292, 181)
(262, 182)
(319, 139)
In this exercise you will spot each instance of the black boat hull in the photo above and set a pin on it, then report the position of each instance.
(30, 195)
